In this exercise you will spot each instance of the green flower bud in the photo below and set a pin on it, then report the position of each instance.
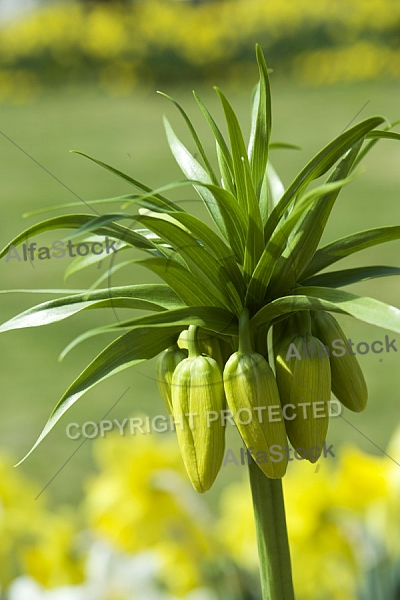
(348, 383)
(227, 348)
(281, 330)
(304, 381)
(197, 393)
(165, 367)
(250, 388)
(208, 344)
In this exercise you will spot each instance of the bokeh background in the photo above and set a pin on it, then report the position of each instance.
(119, 520)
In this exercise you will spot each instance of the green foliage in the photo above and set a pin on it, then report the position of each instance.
(259, 253)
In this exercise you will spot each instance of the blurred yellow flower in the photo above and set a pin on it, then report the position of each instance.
(331, 513)
(140, 510)
(322, 43)
(34, 540)
(141, 500)
(236, 527)
(361, 479)
(55, 560)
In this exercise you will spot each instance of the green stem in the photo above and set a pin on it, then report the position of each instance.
(245, 345)
(193, 344)
(272, 538)
(269, 514)
(303, 322)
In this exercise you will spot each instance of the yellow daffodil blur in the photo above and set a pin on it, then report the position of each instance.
(121, 46)
(139, 509)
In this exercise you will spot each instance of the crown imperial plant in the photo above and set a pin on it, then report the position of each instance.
(257, 265)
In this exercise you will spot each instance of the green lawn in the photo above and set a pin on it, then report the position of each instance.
(128, 133)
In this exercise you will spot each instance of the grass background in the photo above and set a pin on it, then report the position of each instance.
(128, 133)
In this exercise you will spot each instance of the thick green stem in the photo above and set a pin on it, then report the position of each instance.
(269, 514)
(193, 344)
(303, 322)
(245, 345)
(272, 538)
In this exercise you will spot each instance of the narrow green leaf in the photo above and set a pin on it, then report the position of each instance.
(98, 221)
(212, 318)
(83, 262)
(368, 147)
(86, 335)
(318, 165)
(200, 261)
(169, 250)
(388, 135)
(365, 309)
(258, 285)
(238, 148)
(156, 297)
(108, 329)
(338, 279)
(76, 221)
(255, 236)
(215, 321)
(231, 214)
(234, 217)
(197, 141)
(214, 244)
(271, 192)
(275, 186)
(362, 308)
(163, 201)
(194, 171)
(221, 143)
(307, 236)
(110, 271)
(261, 124)
(52, 291)
(128, 350)
(227, 181)
(186, 285)
(327, 255)
(283, 146)
(115, 200)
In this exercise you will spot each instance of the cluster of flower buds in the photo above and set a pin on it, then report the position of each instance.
(200, 375)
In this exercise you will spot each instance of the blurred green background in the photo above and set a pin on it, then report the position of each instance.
(84, 76)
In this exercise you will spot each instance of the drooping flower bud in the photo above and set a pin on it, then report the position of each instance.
(304, 382)
(165, 367)
(197, 402)
(253, 399)
(281, 330)
(348, 383)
